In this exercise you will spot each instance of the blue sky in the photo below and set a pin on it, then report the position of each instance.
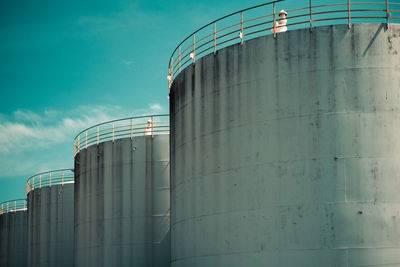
(66, 65)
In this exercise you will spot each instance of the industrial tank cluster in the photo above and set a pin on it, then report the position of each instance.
(284, 151)
(112, 209)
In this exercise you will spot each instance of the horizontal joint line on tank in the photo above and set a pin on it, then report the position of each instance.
(283, 118)
(218, 254)
(118, 245)
(294, 249)
(119, 218)
(328, 70)
(208, 175)
(286, 73)
(294, 205)
(127, 163)
(309, 71)
(291, 249)
(368, 157)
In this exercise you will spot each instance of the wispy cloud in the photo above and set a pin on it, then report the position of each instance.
(156, 107)
(26, 129)
(32, 142)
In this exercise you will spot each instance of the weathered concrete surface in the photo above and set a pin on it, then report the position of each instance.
(122, 203)
(51, 226)
(286, 152)
(13, 239)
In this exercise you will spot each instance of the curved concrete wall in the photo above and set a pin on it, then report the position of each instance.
(13, 239)
(122, 203)
(51, 226)
(286, 152)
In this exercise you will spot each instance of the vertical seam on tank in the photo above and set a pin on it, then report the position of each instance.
(345, 181)
(152, 191)
(131, 202)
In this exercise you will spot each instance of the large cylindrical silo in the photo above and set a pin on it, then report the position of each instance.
(13, 233)
(122, 194)
(286, 151)
(51, 219)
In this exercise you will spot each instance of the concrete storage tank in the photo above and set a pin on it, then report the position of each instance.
(285, 151)
(122, 193)
(51, 219)
(13, 236)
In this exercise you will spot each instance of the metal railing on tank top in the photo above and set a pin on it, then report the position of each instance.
(265, 19)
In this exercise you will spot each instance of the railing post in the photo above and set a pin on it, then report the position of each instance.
(179, 59)
(310, 16)
(215, 38)
(15, 206)
(50, 179)
(7, 207)
(113, 131)
(78, 142)
(241, 27)
(131, 129)
(40, 181)
(86, 139)
(62, 178)
(152, 126)
(98, 139)
(194, 47)
(348, 13)
(169, 81)
(387, 14)
(33, 183)
(274, 20)
(172, 71)
(74, 147)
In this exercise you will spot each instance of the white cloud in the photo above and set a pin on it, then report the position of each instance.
(31, 142)
(31, 130)
(156, 107)
(27, 115)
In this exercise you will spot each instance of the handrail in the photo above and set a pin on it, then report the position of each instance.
(50, 178)
(121, 128)
(13, 206)
(221, 18)
(211, 39)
